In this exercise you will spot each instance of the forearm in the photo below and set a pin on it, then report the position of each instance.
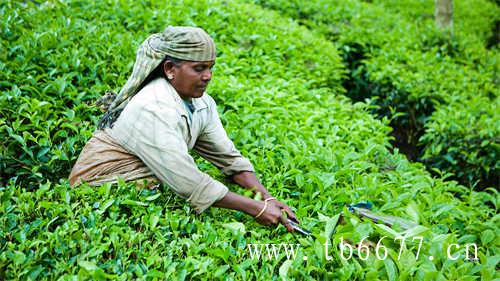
(266, 212)
(241, 203)
(249, 180)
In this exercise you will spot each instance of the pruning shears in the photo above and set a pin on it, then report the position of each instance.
(364, 210)
(297, 228)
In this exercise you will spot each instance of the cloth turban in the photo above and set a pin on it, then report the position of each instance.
(180, 42)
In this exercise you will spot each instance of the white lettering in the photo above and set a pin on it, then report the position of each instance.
(448, 251)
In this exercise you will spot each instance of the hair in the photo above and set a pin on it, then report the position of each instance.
(158, 71)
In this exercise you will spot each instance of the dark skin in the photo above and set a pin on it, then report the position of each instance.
(190, 80)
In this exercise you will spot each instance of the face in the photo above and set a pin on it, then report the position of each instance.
(190, 78)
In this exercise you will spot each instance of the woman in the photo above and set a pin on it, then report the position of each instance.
(159, 115)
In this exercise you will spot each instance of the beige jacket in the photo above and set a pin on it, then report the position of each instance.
(155, 127)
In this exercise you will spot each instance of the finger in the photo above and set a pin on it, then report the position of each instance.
(263, 222)
(285, 206)
(291, 214)
(285, 222)
(269, 223)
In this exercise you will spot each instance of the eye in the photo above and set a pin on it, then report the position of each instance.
(199, 68)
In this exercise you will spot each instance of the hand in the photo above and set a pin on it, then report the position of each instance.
(271, 215)
(291, 215)
(276, 212)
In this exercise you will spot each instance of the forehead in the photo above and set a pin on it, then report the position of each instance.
(209, 63)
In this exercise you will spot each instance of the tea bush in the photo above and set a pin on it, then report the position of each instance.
(279, 92)
(43, 131)
(471, 150)
(474, 20)
(467, 139)
(408, 68)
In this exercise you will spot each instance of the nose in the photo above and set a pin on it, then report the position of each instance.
(207, 75)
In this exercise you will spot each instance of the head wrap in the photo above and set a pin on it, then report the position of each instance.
(180, 42)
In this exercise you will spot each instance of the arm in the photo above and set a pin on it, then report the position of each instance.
(158, 143)
(215, 146)
(249, 180)
(271, 216)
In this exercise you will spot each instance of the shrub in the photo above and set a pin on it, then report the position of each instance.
(465, 143)
(402, 64)
(279, 92)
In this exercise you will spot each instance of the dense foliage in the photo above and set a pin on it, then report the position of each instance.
(414, 73)
(280, 90)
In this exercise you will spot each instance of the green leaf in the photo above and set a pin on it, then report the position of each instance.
(221, 270)
(417, 230)
(87, 265)
(330, 225)
(283, 270)
(413, 212)
(18, 257)
(106, 205)
(153, 273)
(153, 197)
(384, 230)
(42, 152)
(154, 220)
(33, 274)
(390, 268)
(487, 237)
(236, 227)
(133, 203)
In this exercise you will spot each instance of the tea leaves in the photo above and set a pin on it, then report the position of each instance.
(279, 83)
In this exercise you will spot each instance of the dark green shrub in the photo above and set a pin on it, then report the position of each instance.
(465, 142)
(403, 65)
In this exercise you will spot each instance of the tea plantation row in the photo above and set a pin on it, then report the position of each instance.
(439, 91)
(279, 91)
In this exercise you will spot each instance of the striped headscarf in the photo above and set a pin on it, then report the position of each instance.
(180, 42)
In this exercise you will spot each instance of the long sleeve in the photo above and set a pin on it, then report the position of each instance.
(214, 145)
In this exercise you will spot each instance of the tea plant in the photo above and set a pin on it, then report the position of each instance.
(279, 91)
(399, 61)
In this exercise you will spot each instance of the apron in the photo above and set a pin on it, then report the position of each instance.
(103, 160)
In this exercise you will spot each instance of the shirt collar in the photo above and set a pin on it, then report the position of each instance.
(199, 103)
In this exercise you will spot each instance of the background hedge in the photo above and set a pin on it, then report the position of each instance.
(409, 69)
